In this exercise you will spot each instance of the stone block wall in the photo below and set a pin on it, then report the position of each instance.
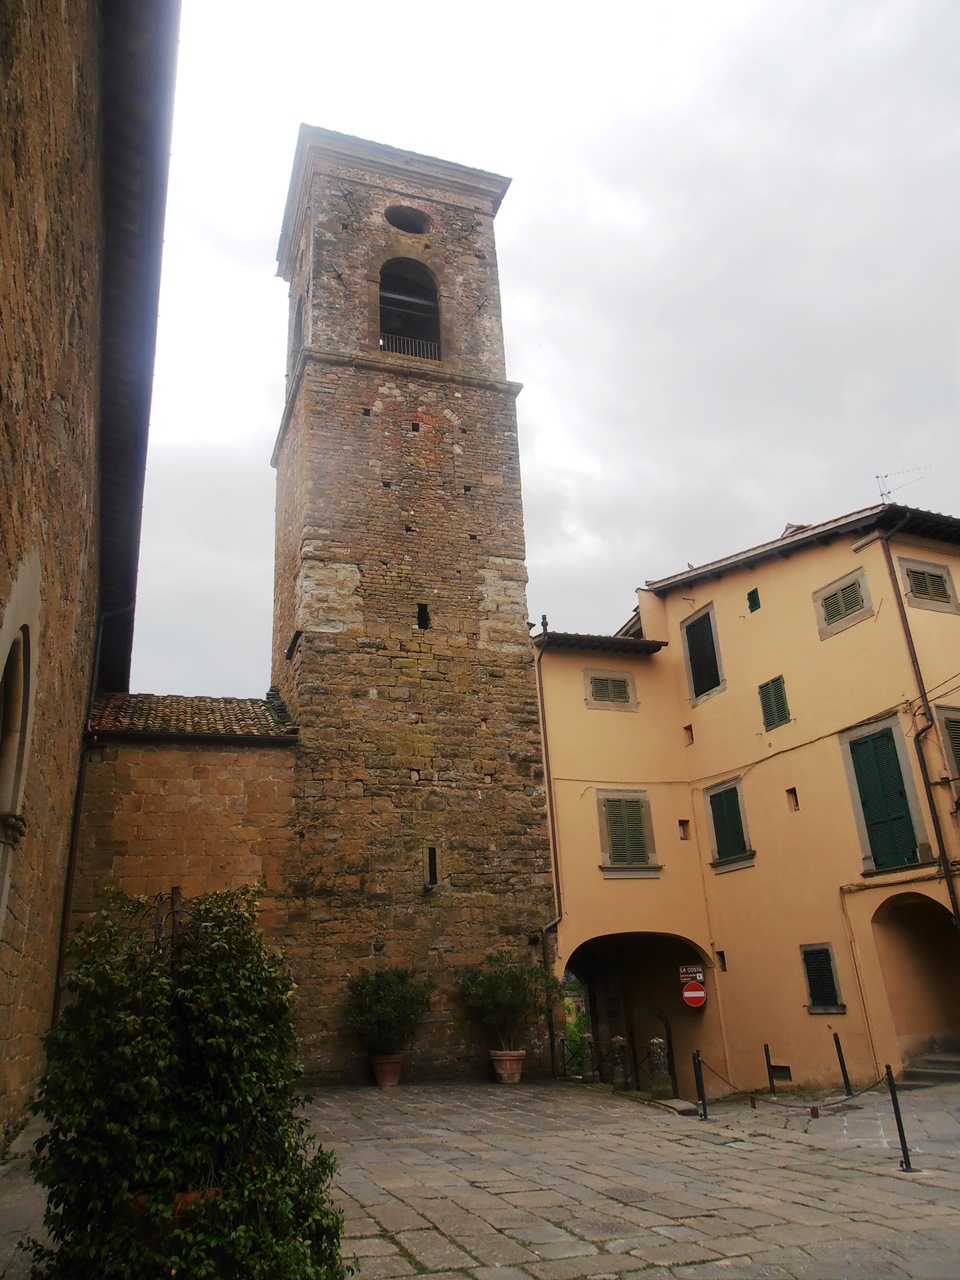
(50, 244)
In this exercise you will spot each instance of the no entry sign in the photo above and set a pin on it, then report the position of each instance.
(694, 994)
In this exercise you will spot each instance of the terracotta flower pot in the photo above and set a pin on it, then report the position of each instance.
(386, 1068)
(508, 1063)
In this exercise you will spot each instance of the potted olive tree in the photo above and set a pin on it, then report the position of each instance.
(504, 996)
(173, 1144)
(383, 1009)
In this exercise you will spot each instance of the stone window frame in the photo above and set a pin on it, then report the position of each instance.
(827, 948)
(649, 870)
(695, 698)
(735, 862)
(906, 563)
(924, 851)
(951, 753)
(608, 673)
(828, 629)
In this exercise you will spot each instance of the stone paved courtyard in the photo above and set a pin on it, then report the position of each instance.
(559, 1182)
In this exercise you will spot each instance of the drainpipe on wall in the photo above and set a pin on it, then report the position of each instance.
(71, 867)
(943, 856)
(551, 926)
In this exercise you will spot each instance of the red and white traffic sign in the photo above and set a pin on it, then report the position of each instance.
(694, 994)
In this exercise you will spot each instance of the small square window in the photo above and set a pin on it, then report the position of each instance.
(821, 976)
(842, 604)
(753, 599)
(609, 690)
(793, 800)
(684, 828)
(773, 703)
(927, 585)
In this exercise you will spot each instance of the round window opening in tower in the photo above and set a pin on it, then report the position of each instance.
(409, 310)
(404, 218)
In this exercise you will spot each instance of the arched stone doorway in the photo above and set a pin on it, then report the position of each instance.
(631, 982)
(919, 950)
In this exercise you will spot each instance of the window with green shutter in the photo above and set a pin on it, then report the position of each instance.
(727, 820)
(821, 979)
(952, 726)
(883, 799)
(842, 603)
(627, 841)
(753, 599)
(609, 689)
(927, 585)
(702, 654)
(773, 701)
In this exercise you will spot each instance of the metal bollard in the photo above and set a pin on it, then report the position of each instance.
(905, 1164)
(701, 1092)
(843, 1066)
(770, 1080)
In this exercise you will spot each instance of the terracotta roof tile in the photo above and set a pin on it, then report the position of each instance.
(151, 713)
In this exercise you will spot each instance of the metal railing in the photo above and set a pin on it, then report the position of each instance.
(416, 347)
(615, 1065)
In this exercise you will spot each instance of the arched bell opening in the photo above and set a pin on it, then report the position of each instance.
(409, 310)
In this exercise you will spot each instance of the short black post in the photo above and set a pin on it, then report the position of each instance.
(843, 1066)
(563, 1057)
(905, 1164)
(593, 1058)
(770, 1080)
(698, 1079)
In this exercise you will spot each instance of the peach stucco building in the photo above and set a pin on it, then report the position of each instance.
(758, 776)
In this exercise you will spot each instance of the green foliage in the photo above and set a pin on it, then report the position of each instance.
(503, 995)
(173, 1070)
(384, 1007)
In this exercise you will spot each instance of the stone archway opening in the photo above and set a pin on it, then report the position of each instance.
(919, 949)
(633, 994)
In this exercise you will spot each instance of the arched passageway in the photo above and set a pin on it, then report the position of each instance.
(632, 985)
(919, 950)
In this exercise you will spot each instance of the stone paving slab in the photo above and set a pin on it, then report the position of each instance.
(560, 1182)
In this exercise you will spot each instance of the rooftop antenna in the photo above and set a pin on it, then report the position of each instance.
(886, 488)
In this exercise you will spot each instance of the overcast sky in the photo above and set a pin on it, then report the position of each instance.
(729, 268)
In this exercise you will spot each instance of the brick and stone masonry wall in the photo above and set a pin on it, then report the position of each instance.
(50, 222)
(398, 491)
(206, 817)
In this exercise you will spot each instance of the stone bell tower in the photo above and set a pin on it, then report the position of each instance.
(400, 638)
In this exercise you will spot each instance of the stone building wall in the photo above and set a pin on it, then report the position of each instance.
(205, 817)
(50, 242)
(401, 640)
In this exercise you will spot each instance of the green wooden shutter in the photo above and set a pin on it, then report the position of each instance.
(953, 737)
(928, 586)
(773, 703)
(628, 846)
(609, 689)
(727, 823)
(702, 652)
(821, 983)
(753, 599)
(883, 798)
(841, 603)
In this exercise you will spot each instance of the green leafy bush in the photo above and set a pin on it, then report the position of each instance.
(172, 1071)
(385, 1006)
(504, 995)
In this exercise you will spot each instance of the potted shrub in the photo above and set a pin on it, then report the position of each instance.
(173, 1146)
(383, 1009)
(504, 995)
